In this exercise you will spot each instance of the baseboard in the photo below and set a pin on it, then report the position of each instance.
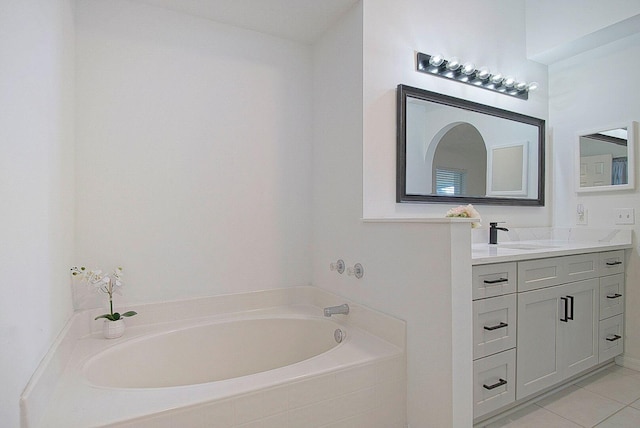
(628, 362)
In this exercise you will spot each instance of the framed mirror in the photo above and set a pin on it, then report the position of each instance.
(451, 150)
(605, 158)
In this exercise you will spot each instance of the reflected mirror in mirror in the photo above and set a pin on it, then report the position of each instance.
(605, 159)
(453, 150)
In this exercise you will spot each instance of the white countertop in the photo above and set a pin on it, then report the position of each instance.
(508, 251)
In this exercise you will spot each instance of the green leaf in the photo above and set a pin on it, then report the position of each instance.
(116, 317)
(107, 316)
(129, 314)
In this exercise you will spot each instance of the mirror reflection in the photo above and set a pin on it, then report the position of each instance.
(452, 150)
(604, 158)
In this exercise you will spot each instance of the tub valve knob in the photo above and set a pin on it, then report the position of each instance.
(357, 270)
(337, 266)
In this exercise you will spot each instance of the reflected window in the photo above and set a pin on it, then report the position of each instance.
(451, 182)
(461, 155)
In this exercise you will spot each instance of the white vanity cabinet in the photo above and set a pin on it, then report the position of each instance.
(539, 322)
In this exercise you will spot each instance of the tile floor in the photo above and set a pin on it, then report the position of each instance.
(609, 399)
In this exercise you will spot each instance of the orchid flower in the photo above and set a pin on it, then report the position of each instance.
(465, 211)
(108, 284)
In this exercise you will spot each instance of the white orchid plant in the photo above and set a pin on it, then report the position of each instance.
(465, 211)
(106, 283)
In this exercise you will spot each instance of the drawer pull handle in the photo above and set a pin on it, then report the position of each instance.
(614, 263)
(495, 327)
(614, 338)
(495, 281)
(613, 296)
(495, 385)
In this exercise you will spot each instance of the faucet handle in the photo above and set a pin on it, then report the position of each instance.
(357, 270)
(337, 266)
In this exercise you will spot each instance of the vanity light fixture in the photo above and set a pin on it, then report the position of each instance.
(453, 63)
(467, 72)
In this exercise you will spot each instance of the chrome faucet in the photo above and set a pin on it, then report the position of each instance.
(334, 310)
(493, 232)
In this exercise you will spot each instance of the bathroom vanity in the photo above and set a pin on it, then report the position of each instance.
(544, 313)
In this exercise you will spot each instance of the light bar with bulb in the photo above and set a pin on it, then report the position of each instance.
(482, 77)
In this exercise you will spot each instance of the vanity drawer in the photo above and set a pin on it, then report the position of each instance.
(534, 274)
(581, 266)
(611, 262)
(611, 295)
(494, 325)
(493, 280)
(494, 383)
(611, 342)
(541, 273)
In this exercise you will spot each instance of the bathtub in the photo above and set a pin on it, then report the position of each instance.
(278, 366)
(212, 352)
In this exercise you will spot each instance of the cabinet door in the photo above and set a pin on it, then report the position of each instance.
(579, 334)
(537, 366)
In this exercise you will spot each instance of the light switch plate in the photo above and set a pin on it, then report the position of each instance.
(625, 216)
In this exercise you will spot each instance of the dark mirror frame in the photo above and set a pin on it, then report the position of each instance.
(403, 92)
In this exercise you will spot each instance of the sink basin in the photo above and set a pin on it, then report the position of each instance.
(516, 246)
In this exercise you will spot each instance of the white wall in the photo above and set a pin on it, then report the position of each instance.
(36, 187)
(586, 95)
(591, 23)
(193, 153)
(393, 32)
(408, 266)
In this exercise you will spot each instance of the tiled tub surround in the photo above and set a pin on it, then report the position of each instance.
(358, 383)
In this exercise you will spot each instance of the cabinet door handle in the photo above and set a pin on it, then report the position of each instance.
(613, 296)
(495, 281)
(572, 307)
(495, 385)
(614, 338)
(617, 262)
(495, 327)
(566, 309)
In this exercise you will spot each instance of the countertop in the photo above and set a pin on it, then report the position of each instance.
(508, 251)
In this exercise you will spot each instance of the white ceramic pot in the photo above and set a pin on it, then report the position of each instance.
(113, 329)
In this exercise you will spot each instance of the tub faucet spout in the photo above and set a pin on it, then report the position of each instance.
(333, 310)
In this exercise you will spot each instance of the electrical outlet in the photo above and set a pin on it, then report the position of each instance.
(581, 215)
(625, 216)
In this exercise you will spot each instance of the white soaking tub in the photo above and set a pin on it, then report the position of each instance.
(272, 360)
(212, 352)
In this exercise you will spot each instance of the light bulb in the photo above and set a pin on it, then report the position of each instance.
(532, 86)
(436, 60)
(468, 68)
(509, 81)
(453, 63)
(496, 78)
(521, 86)
(483, 73)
